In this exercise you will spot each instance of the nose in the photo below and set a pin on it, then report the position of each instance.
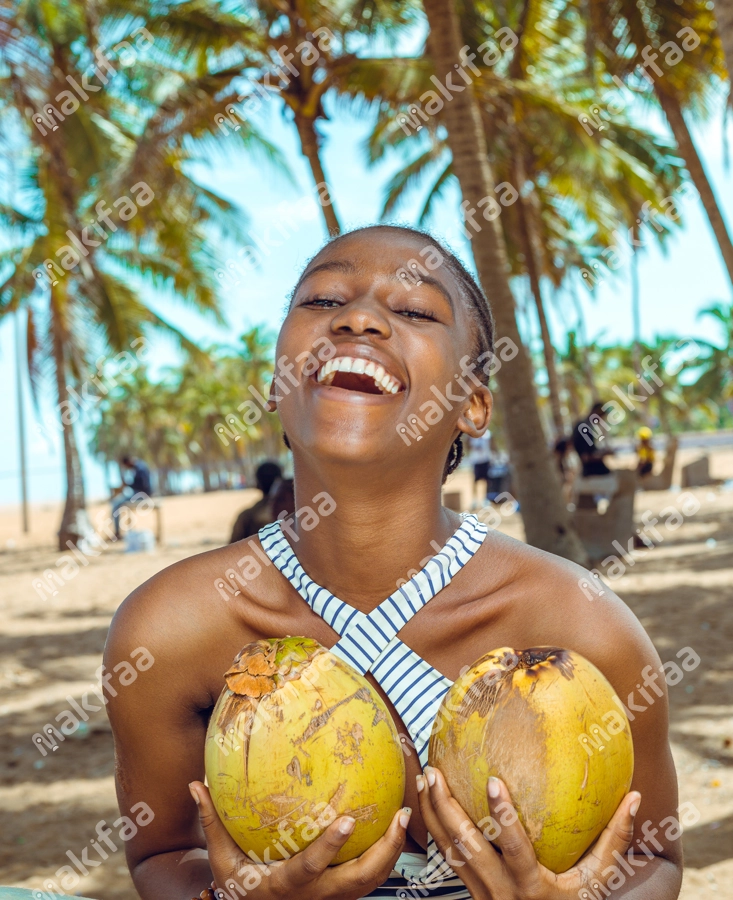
(361, 316)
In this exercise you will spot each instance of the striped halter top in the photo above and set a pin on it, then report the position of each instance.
(370, 643)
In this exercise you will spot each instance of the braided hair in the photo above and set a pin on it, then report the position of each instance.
(478, 307)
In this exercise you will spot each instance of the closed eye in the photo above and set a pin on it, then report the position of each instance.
(417, 314)
(321, 302)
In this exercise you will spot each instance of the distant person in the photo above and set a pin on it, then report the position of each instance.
(138, 486)
(560, 450)
(587, 435)
(479, 456)
(250, 520)
(645, 452)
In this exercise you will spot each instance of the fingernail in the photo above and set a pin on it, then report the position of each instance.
(405, 817)
(634, 808)
(494, 788)
(346, 824)
(420, 783)
(430, 775)
(194, 794)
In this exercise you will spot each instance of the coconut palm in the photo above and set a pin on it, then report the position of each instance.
(625, 40)
(724, 15)
(715, 381)
(290, 49)
(546, 518)
(575, 194)
(76, 156)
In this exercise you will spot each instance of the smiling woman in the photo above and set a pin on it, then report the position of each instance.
(405, 350)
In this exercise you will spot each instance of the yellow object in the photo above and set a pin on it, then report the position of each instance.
(545, 721)
(297, 738)
(644, 433)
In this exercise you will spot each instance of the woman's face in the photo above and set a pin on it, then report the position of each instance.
(398, 345)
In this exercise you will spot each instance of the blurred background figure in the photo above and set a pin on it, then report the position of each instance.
(135, 476)
(250, 520)
(645, 452)
(587, 437)
(479, 456)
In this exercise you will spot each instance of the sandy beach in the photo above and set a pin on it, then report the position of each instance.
(681, 591)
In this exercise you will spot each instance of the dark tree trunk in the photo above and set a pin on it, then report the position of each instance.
(75, 524)
(694, 165)
(546, 519)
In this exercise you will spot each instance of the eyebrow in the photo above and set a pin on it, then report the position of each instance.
(349, 268)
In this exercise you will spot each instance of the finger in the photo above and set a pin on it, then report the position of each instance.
(516, 850)
(359, 877)
(312, 862)
(458, 840)
(219, 842)
(619, 832)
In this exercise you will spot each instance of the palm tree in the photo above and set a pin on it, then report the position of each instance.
(724, 14)
(73, 165)
(546, 518)
(681, 75)
(715, 382)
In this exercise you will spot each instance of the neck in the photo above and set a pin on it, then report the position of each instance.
(381, 529)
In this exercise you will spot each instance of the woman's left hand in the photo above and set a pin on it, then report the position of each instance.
(515, 873)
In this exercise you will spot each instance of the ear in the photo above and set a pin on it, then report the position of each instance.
(475, 417)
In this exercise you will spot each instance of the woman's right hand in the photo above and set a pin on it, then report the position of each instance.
(306, 875)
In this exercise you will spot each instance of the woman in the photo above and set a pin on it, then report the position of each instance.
(375, 429)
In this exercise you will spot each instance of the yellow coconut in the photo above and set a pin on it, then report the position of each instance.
(547, 723)
(297, 738)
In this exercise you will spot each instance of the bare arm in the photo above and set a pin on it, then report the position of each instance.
(159, 736)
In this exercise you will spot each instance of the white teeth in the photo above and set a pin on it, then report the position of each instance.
(384, 381)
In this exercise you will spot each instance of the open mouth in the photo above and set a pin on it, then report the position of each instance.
(353, 374)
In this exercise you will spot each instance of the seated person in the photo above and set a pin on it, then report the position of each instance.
(250, 520)
(645, 452)
(587, 437)
(384, 516)
(137, 487)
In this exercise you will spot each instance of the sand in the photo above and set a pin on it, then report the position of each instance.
(49, 649)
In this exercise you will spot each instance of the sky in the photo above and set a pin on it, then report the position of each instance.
(674, 286)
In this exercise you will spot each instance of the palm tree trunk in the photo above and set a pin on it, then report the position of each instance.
(724, 15)
(693, 163)
(546, 519)
(75, 524)
(310, 145)
(528, 245)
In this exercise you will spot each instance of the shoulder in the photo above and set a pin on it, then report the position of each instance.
(181, 614)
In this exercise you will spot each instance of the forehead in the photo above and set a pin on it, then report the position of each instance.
(387, 252)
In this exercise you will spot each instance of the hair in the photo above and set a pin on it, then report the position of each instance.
(478, 307)
(266, 475)
(126, 460)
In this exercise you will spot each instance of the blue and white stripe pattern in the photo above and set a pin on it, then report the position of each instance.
(370, 644)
